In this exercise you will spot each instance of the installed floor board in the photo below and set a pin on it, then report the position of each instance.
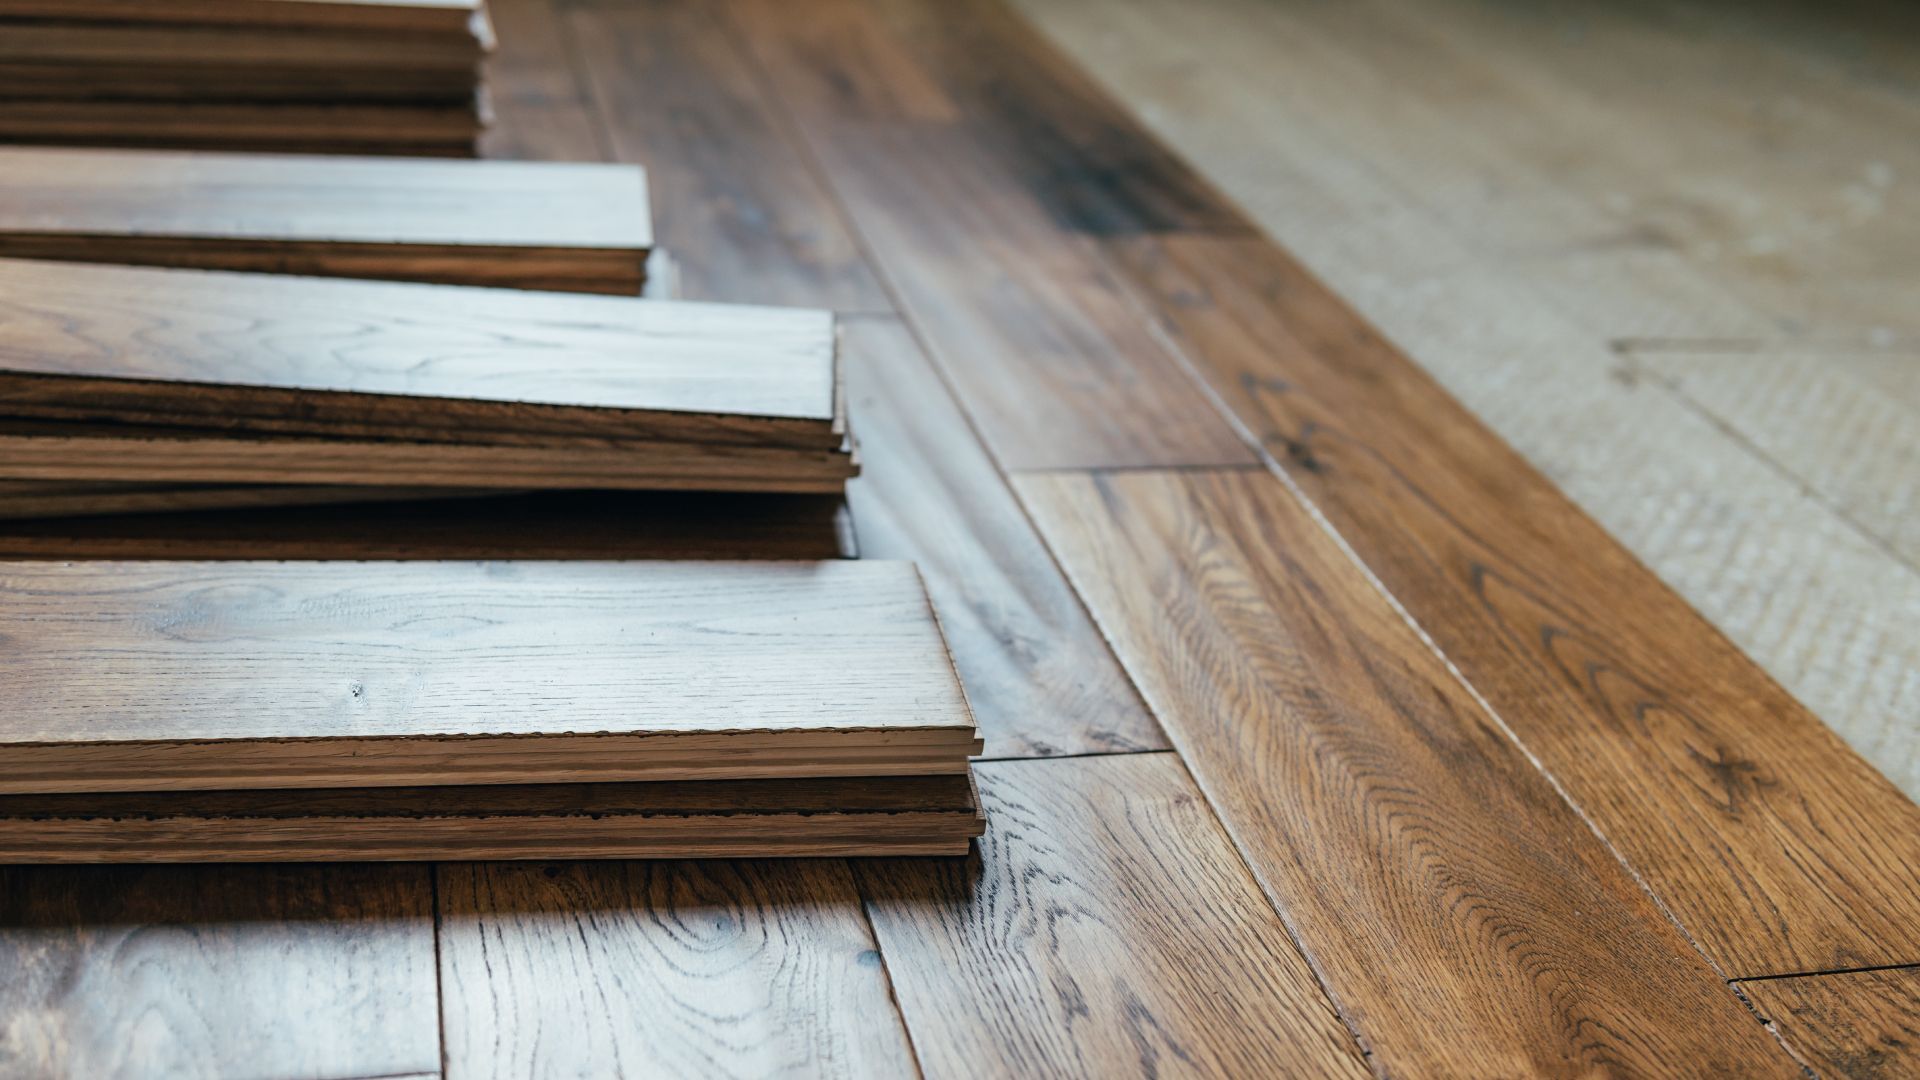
(1859, 1024)
(748, 222)
(236, 971)
(541, 107)
(1775, 846)
(1105, 928)
(666, 968)
(1040, 679)
(1395, 826)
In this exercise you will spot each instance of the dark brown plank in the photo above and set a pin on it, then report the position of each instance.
(663, 969)
(1426, 866)
(1040, 679)
(1105, 928)
(1862, 1024)
(738, 208)
(237, 971)
(423, 16)
(541, 108)
(1775, 846)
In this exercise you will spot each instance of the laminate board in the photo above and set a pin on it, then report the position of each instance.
(260, 352)
(78, 44)
(542, 110)
(743, 213)
(1773, 844)
(193, 84)
(1040, 679)
(244, 126)
(1849, 1024)
(1104, 928)
(425, 16)
(577, 227)
(737, 968)
(1424, 863)
(546, 525)
(936, 815)
(241, 970)
(30, 499)
(167, 675)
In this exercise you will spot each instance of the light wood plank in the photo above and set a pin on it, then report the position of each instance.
(257, 971)
(131, 675)
(1106, 928)
(644, 969)
(1861, 1024)
(1425, 864)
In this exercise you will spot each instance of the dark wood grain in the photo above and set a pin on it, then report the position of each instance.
(1105, 928)
(542, 110)
(421, 16)
(237, 971)
(744, 218)
(1775, 846)
(1859, 1024)
(1040, 679)
(1426, 866)
(664, 968)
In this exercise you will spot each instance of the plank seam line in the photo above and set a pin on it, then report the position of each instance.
(1017, 759)
(1827, 971)
(886, 967)
(439, 989)
(1102, 470)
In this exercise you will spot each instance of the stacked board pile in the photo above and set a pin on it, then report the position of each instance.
(242, 711)
(324, 76)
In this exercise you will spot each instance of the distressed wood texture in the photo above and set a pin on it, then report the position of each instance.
(1105, 928)
(261, 352)
(1040, 679)
(1863, 1025)
(574, 227)
(745, 218)
(195, 675)
(235, 971)
(663, 968)
(1425, 865)
(1775, 846)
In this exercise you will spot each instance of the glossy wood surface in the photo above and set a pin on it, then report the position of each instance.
(1863, 1025)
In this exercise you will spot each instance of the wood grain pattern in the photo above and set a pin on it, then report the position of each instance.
(1774, 845)
(693, 819)
(305, 675)
(292, 128)
(76, 44)
(1424, 863)
(427, 16)
(677, 968)
(1854, 1024)
(1040, 679)
(1106, 928)
(256, 971)
(749, 222)
(577, 227)
(541, 106)
(270, 353)
(30, 499)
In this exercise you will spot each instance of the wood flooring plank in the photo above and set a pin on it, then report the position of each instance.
(1857, 1024)
(1427, 868)
(294, 971)
(250, 674)
(541, 108)
(1105, 928)
(1773, 844)
(1040, 679)
(425, 16)
(644, 969)
(577, 227)
(746, 221)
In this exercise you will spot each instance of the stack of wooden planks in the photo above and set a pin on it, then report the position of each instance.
(333, 76)
(242, 711)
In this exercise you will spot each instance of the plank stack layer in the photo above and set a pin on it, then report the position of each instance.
(336, 76)
(528, 225)
(188, 382)
(168, 711)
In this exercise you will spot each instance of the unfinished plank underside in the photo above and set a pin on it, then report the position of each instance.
(150, 676)
(577, 227)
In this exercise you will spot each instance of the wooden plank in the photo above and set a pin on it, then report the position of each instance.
(258, 352)
(442, 130)
(580, 227)
(663, 968)
(1106, 928)
(1852, 1024)
(31, 499)
(75, 44)
(744, 216)
(193, 84)
(266, 970)
(1041, 680)
(541, 108)
(1425, 864)
(929, 815)
(549, 525)
(143, 676)
(1771, 842)
(425, 16)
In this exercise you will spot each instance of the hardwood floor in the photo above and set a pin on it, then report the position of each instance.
(1326, 736)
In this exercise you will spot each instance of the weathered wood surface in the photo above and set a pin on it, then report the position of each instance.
(1863, 1025)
